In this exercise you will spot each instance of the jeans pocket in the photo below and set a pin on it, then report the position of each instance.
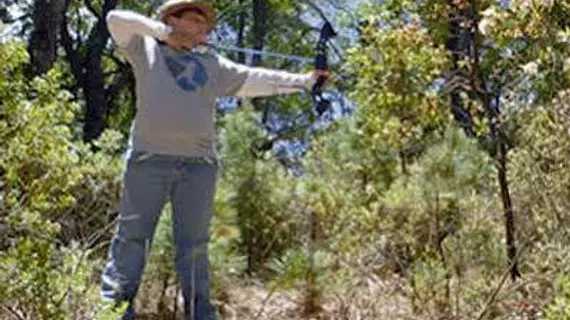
(136, 159)
(139, 156)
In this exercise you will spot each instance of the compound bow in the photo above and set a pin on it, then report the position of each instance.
(321, 104)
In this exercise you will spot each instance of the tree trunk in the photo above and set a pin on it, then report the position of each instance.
(499, 150)
(508, 210)
(259, 28)
(458, 45)
(241, 38)
(88, 71)
(96, 109)
(96, 105)
(245, 216)
(312, 294)
(259, 31)
(47, 17)
(241, 32)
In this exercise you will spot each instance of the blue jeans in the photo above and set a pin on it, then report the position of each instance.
(150, 181)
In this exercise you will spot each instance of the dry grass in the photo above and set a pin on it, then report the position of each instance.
(372, 299)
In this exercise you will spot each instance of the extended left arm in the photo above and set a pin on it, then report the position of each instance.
(244, 81)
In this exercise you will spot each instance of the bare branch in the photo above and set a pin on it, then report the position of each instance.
(13, 313)
(72, 54)
(91, 9)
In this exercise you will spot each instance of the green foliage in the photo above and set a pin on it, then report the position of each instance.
(539, 169)
(530, 39)
(50, 182)
(41, 281)
(261, 193)
(428, 215)
(393, 189)
(541, 190)
(397, 70)
(44, 169)
(559, 309)
(432, 225)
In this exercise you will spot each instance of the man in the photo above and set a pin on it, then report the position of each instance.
(172, 152)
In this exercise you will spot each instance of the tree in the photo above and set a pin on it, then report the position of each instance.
(47, 17)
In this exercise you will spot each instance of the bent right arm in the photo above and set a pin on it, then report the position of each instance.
(123, 25)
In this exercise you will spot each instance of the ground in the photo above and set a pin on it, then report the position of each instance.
(374, 298)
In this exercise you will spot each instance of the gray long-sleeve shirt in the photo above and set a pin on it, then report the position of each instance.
(176, 91)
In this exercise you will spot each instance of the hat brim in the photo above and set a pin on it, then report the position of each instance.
(203, 6)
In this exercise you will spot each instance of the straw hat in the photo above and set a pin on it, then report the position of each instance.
(171, 6)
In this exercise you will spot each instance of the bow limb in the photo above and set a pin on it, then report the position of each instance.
(321, 63)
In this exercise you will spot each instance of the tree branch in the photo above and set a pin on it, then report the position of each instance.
(114, 89)
(91, 9)
(13, 313)
(72, 54)
(120, 63)
(16, 19)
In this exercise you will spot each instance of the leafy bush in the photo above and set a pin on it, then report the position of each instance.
(559, 309)
(54, 190)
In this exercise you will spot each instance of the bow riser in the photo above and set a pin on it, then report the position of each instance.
(321, 63)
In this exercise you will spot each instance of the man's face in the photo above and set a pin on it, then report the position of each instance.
(192, 23)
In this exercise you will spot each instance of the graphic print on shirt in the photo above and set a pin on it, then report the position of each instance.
(189, 72)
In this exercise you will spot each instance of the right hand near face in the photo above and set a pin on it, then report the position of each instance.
(179, 39)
